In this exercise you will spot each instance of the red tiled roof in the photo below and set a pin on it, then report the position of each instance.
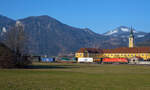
(128, 50)
(116, 50)
(90, 50)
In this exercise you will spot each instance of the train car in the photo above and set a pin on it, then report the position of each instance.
(67, 60)
(46, 59)
(115, 60)
(97, 60)
(85, 60)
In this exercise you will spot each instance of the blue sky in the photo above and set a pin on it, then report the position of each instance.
(98, 15)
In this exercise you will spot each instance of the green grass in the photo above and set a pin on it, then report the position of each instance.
(76, 77)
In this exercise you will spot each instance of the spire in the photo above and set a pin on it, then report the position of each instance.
(131, 39)
(131, 32)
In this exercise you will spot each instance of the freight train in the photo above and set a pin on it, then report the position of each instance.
(104, 60)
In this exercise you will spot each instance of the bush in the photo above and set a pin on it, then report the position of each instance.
(8, 59)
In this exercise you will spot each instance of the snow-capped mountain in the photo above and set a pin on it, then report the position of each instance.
(124, 32)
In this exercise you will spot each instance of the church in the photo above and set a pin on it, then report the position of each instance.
(123, 52)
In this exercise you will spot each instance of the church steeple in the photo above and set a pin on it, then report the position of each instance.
(131, 39)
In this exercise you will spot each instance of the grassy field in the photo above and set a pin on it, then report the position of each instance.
(46, 76)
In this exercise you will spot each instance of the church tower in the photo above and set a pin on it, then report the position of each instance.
(131, 39)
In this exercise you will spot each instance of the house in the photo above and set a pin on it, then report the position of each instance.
(122, 52)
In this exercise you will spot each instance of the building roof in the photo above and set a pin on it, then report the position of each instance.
(89, 50)
(116, 50)
(128, 50)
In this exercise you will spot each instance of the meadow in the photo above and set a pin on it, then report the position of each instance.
(58, 76)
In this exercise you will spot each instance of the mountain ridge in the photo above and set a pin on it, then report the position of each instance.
(52, 37)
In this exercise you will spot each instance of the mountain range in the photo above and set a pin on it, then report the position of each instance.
(51, 37)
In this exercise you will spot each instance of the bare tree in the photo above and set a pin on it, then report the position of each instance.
(16, 40)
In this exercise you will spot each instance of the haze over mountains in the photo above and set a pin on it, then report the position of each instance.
(52, 37)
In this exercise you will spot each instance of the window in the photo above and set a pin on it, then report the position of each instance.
(80, 54)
